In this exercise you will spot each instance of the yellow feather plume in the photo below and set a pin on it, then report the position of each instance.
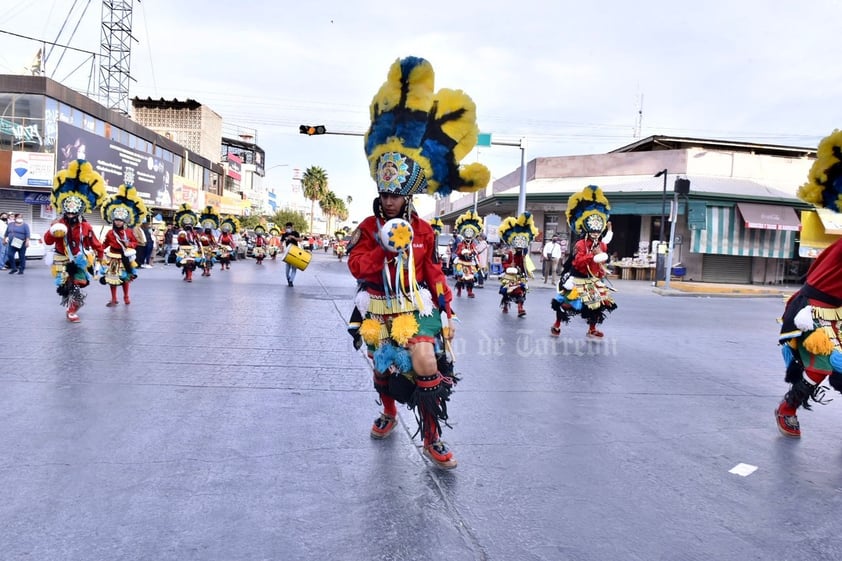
(458, 112)
(370, 331)
(404, 327)
(474, 177)
(818, 343)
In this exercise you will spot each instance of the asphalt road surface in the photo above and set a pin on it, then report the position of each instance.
(228, 419)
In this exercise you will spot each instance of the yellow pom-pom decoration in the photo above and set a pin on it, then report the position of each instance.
(818, 343)
(370, 331)
(404, 327)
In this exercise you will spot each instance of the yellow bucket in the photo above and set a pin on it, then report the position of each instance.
(297, 257)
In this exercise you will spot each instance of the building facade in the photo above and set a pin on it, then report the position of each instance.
(739, 221)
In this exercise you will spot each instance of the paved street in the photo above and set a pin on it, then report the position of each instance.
(228, 420)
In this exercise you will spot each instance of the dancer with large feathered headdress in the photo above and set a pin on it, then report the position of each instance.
(189, 254)
(517, 234)
(466, 267)
(417, 138)
(588, 214)
(810, 339)
(76, 190)
(123, 211)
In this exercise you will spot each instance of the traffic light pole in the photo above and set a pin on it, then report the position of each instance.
(521, 199)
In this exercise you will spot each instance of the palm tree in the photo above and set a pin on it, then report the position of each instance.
(314, 183)
(330, 206)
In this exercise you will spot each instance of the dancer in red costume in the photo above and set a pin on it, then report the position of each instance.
(76, 190)
(227, 244)
(404, 298)
(259, 250)
(466, 269)
(810, 337)
(189, 248)
(274, 244)
(123, 211)
(209, 221)
(518, 268)
(587, 214)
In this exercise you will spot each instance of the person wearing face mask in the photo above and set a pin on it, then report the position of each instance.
(290, 237)
(17, 240)
(4, 222)
(588, 213)
(517, 233)
(76, 190)
(122, 211)
(403, 309)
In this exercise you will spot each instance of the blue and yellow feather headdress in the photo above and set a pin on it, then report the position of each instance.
(78, 189)
(124, 205)
(437, 225)
(418, 136)
(230, 224)
(469, 224)
(518, 232)
(588, 210)
(824, 182)
(209, 218)
(186, 216)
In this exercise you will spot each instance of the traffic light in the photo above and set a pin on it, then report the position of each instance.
(311, 130)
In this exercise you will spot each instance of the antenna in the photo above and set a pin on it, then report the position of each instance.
(115, 55)
(638, 126)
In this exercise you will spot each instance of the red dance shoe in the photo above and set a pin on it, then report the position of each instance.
(787, 423)
(383, 426)
(440, 454)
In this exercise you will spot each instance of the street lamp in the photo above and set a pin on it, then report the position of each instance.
(659, 256)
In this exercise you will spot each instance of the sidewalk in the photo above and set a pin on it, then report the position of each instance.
(684, 288)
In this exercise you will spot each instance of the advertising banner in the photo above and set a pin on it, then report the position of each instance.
(117, 163)
(32, 169)
(186, 191)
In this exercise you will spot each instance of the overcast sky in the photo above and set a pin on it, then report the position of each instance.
(571, 77)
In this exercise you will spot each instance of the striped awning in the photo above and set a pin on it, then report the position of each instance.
(725, 233)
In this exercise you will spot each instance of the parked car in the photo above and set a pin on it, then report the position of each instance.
(242, 247)
(443, 248)
(37, 248)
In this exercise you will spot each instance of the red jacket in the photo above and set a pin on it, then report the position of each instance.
(126, 237)
(78, 236)
(366, 259)
(583, 254)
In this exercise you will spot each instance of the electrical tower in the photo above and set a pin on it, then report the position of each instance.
(115, 54)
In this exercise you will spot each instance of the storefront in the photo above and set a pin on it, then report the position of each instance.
(736, 241)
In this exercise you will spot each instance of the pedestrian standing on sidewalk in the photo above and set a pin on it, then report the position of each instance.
(4, 223)
(140, 236)
(76, 190)
(551, 256)
(810, 339)
(481, 247)
(404, 300)
(17, 239)
(168, 247)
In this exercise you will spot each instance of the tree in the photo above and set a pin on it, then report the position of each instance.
(314, 183)
(330, 205)
(299, 221)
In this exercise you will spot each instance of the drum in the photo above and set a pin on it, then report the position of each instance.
(297, 257)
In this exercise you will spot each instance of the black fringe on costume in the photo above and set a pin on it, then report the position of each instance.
(71, 294)
(561, 314)
(802, 392)
(598, 315)
(432, 402)
(835, 381)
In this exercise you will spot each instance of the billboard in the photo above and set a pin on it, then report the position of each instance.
(32, 169)
(117, 163)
